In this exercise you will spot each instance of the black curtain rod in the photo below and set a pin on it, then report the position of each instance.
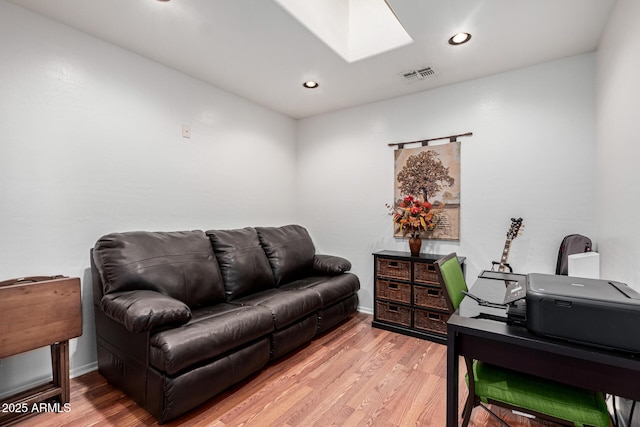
(424, 142)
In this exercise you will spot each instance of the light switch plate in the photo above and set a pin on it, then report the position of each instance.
(186, 131)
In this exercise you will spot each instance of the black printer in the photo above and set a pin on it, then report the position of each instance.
(603, 313)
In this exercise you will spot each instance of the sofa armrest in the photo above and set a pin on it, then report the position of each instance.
(140, 311)
(330, 264)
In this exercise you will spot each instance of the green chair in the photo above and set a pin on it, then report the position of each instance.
(488, 384)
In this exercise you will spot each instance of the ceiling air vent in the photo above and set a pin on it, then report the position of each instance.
(418, 75)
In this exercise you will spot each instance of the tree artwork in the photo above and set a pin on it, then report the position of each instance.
(423, 175)
(429, 174)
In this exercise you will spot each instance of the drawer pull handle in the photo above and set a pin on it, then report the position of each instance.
(393, 308)
(433, 292)
(393, 286)
(393, 263)
(433, 316)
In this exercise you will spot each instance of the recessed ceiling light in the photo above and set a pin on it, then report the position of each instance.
(310, 84)
(460, 38)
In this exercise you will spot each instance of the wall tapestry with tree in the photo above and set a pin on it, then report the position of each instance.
(430, 175)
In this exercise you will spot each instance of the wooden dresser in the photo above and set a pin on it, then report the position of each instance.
(407, 296)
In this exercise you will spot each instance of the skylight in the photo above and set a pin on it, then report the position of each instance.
(354, 29)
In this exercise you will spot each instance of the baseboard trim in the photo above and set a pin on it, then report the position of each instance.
(73, 373)
(84, 369)
(365, 310)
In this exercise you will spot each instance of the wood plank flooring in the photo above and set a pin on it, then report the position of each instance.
(354, 375)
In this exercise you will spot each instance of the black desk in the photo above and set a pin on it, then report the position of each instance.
(514, 347)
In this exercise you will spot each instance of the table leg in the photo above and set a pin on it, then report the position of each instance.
(58, 388)
(452, 380)
(60, 367)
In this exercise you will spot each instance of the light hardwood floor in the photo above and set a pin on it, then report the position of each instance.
(354, 375)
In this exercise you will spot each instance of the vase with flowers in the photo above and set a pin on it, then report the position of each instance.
(413, 216)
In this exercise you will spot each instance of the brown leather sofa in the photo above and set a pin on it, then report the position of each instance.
(181, 316)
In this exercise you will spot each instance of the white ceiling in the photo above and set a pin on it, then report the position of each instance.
(255, 49)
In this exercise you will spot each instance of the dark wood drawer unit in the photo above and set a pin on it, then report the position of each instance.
(408, 297)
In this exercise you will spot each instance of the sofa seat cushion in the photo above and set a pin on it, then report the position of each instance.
(331, 289)
(211, 332)
(286, 306)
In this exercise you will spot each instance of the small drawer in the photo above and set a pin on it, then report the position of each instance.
(430, 321)
(394, 269)
(424, 273)
(430, 297)
(393, 313)
(393, 291)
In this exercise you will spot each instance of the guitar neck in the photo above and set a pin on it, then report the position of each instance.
(511, 234)
(505, 255)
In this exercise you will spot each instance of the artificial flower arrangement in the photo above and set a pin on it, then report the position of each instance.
(414, 216)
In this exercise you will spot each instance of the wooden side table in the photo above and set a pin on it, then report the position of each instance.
(33, 315)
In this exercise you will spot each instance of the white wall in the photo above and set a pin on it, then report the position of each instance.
(618, 145)
(532, 154)
(90, 143)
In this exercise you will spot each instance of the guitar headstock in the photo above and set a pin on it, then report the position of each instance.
(516, 224)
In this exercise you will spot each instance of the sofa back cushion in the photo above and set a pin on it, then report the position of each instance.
(244, 265)
(289, 249)
(179, 264)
